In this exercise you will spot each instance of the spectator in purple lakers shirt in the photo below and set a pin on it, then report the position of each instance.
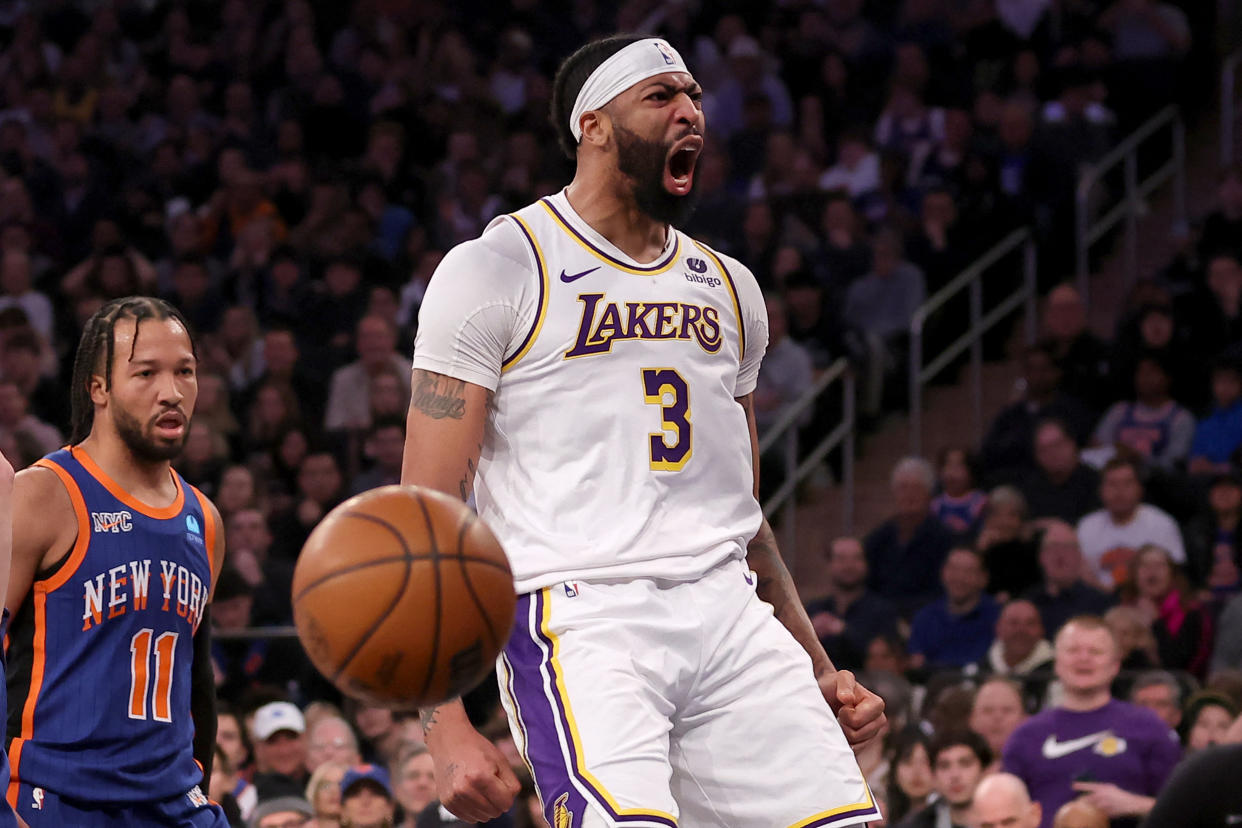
(1114, 754)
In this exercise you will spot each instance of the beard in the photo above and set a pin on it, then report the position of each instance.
(142, 443)
(643, 162)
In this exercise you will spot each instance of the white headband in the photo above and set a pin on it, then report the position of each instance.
(640, 60)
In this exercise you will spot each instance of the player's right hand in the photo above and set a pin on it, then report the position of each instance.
(473, 777)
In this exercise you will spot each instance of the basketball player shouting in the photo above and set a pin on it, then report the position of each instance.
(595, 367)
(111, 694)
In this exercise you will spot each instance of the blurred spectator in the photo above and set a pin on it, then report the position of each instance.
(907, 124)
(380, 732)
(1111, 536)
(904, 554)
(843, 252)
(956, 630)
(1127, 751)
(285, 368)
(1218, 314)
(1002, 800)
(857, 169)
(1079, 813)
(220, 785)
(1218, 435)
(810, 323)
(414, 782)
(850, 615)
(1227, 652)
(349, 397)
(960, 504)
(996, 712)
(1083, 358)
(18, 423)
(279, 731)
(269, 578)
(282, 811)
(1152, 426)
(1159, 692)
(958, 760)
(1009, 553)
(1063, 594)
(880, 306)
(749, 74)
(1020, 648)
(17, 290)
(1060, 486)
(1182, 628)
(366, 797)
(1208, 716)
(331, 739)
(1135, 641)
(910, 782)
(1007, 446)
(320, 488)
(323, 792)
(384, 448)
(1222, 228)
(20, 363)
(786, 370)
(1153, 331)
(886, 654)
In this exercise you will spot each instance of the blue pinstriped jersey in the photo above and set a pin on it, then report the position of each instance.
(100, 651)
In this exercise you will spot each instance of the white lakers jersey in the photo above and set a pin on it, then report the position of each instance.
(616, 447)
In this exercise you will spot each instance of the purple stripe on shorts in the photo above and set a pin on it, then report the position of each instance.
(562, 714)
(543, 749)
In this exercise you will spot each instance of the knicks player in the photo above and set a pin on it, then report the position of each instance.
(589, 371)
(110, 685)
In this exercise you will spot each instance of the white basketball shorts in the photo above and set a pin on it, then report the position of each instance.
(656, 703)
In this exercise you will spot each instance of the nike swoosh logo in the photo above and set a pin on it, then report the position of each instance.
(1055, 750)
(567, 278)
(108, 527)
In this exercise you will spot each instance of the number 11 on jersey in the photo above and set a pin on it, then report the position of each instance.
(667, 388)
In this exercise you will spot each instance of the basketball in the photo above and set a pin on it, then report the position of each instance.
(402, 597)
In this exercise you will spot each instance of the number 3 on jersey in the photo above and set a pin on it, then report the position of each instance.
(139, 678)
(666, 388)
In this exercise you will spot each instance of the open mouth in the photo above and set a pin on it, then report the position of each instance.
(170, 424)
(679, 169)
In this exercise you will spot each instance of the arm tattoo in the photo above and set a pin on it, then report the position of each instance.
(438, 396)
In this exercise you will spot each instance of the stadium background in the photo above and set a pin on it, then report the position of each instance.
(290, 173)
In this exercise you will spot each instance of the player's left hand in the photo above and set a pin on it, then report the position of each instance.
(859, 711)
(1112, 800)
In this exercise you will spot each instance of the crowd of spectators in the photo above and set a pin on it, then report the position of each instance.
(289, 174)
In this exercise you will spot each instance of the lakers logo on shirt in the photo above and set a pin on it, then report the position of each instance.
(562, 817)
(606, 322)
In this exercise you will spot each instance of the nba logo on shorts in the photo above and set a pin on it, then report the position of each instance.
(37, 795)
(571, 589)
(666, 53)
(562, 817)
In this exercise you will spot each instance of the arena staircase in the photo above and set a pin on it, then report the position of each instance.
(947, 421)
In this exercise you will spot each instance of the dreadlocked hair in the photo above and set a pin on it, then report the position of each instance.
(97, 347)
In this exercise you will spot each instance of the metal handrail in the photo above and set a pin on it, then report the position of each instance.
(795, 472)
(1130, 207)
(1228, 106)
(980, 324)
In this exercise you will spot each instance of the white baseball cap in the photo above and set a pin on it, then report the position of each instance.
(276, 716)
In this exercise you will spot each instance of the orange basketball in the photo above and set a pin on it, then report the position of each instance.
(402, 597)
